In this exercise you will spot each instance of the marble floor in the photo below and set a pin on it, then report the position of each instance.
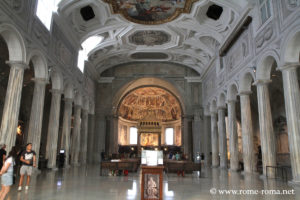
(84, 183)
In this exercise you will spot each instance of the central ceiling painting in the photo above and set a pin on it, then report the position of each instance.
(151, 11)
(150, 102)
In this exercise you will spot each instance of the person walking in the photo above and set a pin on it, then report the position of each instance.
(7, 173)
(28, 161)
(2, 155)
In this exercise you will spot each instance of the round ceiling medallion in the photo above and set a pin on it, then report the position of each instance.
(150, 11)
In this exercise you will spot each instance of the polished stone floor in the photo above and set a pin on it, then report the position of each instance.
(84, 183)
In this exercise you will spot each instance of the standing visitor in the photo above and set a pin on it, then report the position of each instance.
(7, 173)
(2, 155)
(28, 161)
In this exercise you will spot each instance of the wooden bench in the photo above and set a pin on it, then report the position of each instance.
(186, 166)
(130, 165)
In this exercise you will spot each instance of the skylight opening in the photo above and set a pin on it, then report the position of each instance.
(87, 46)
(44, 11)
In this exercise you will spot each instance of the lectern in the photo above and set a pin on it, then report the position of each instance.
(152, 182)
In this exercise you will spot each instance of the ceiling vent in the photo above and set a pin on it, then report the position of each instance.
(87, 13)
(214, 12)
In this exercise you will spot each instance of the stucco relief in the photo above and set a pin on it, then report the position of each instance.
(264, 37)
(149, 38)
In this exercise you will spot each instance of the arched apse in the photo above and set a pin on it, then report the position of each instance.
(144, 82)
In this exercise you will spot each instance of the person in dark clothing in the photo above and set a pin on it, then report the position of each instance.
(2, 155)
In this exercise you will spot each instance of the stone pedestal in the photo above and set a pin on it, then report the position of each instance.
(84, 132)
(267, 137)
(11, 108)
(222, 137)
(247, 133)
(292, 108)
(52, 137)
(36, 115)
(75, 146)
(214, 140)
(233, 136)
(66, 130)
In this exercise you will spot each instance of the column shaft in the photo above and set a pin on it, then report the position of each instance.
(214, 140)
(66, 131)
(53, 126)
(36, 116)
(247, 134)
(233, 136)
(222, 137)
(84, 135)
(207, 141)
(75, 147)
(11, 108)
(292, 108)
(267, 137)
(91, 138)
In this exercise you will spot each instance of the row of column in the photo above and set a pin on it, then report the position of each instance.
(268, 142)
(11, 114)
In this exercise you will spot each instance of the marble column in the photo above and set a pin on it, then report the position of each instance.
(187, 136)
(53, 126)
(36, 115)
(66, 130)
(75, 146)
(11, 108)
(233, 136)
(207, 140)
(247, 133)
(222, 137)
(214, 140)
(292, 108)
(113, 134)
(197, 135)
(84, 135)
(91, 138)
(267, 136)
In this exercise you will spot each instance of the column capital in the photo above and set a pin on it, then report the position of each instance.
(221, 108)
(68, 100)
(244, 93)
(77, 106)
(259, 82)
(289, 66)
(18, 64)
(56, 91)
(40, 80)
(229, 101)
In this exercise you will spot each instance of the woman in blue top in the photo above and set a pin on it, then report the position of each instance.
(7, 173)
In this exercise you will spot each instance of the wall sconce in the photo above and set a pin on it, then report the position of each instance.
(254, 69)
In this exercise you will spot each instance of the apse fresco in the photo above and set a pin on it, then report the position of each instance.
(150, 101)
(150, 11)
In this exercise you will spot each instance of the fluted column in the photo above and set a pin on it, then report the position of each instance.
(91, 138)
(247, 133)
(66, 130)
(207, 140)
(292, 108)
(222, 137)
(267, 136)
(11, 108)
(84, 134)
(53, 126)
(233, 136)
(36, 115)
(75, 146)
(214, 140)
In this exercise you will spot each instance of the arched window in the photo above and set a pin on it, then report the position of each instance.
(133, 135)
(88, 45)
(44, 11)
(169, 133)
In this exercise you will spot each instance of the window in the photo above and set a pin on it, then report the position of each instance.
(169, 136)
(265, 10)
(88, 45)
(44, 11)
(133, 135)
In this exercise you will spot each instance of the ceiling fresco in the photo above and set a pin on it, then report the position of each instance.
(149, 38)
(150, 11)
(150, 101)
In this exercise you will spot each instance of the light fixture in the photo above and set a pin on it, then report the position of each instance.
(254, 69)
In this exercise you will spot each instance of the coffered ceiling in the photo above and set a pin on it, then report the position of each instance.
(166, 31)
